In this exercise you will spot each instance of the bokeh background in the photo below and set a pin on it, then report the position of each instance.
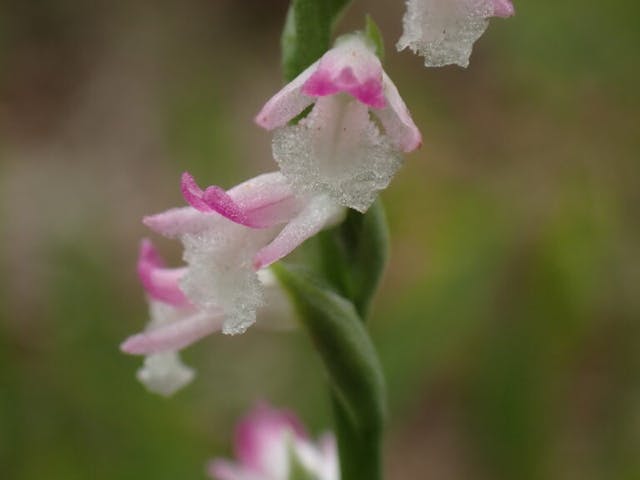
(509, 318)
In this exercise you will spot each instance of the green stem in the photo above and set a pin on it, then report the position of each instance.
(360, 452)
(352, 365)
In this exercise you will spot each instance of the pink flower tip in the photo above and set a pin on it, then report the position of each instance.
(192, 193)
(212, 199)
(133, 345)
(159, 282)
(503, 8)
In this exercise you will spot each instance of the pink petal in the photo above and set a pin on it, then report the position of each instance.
(261, 202)
(174, 335)
(287, 103)
(503, 8)
(192, 193)
(159, 282)
(258, 437)
(178, 221)
(349, 67)
(313, 218)
(397, 120)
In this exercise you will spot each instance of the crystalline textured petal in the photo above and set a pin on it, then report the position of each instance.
(337, 150)
(221, 273)
(444, 31)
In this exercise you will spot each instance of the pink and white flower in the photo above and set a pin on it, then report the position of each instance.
(270, 444)
(230, 238)
(444, 31)
(175, 323)
(339, 150)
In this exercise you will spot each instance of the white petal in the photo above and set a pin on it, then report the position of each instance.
(164, 373)
(178, 221)
(338, 151)
(443, 31)
(174, 335)
(396, 119)
(221, 273)
(287, 103)
(319, 212)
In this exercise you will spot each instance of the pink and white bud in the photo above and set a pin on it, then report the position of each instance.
(268, 443)
(444, 31)
(338, 150)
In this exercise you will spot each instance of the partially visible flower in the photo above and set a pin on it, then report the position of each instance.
(271, 445)
(444, 31)
(174, 324)
(230, 238)
(351, 143)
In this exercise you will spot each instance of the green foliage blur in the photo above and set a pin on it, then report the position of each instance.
(508, 321)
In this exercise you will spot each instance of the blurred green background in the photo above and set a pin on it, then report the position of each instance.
(509, 318)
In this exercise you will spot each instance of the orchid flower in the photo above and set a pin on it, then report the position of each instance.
(228, 236)
(271, 445)
(444, 31)
(339, 150)
(175, 323)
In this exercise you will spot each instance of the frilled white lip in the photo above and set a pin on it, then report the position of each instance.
(444, 31)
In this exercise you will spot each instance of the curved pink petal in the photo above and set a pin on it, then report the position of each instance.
(258, 438)
(397, 120)
(287, 103)
(159, 282)
(503, 8)
(313, 218)
(261, 202)
(349, 67)
(174, 335)
(192, 193)
(178, 221)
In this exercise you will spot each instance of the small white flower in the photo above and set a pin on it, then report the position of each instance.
(444, 31)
